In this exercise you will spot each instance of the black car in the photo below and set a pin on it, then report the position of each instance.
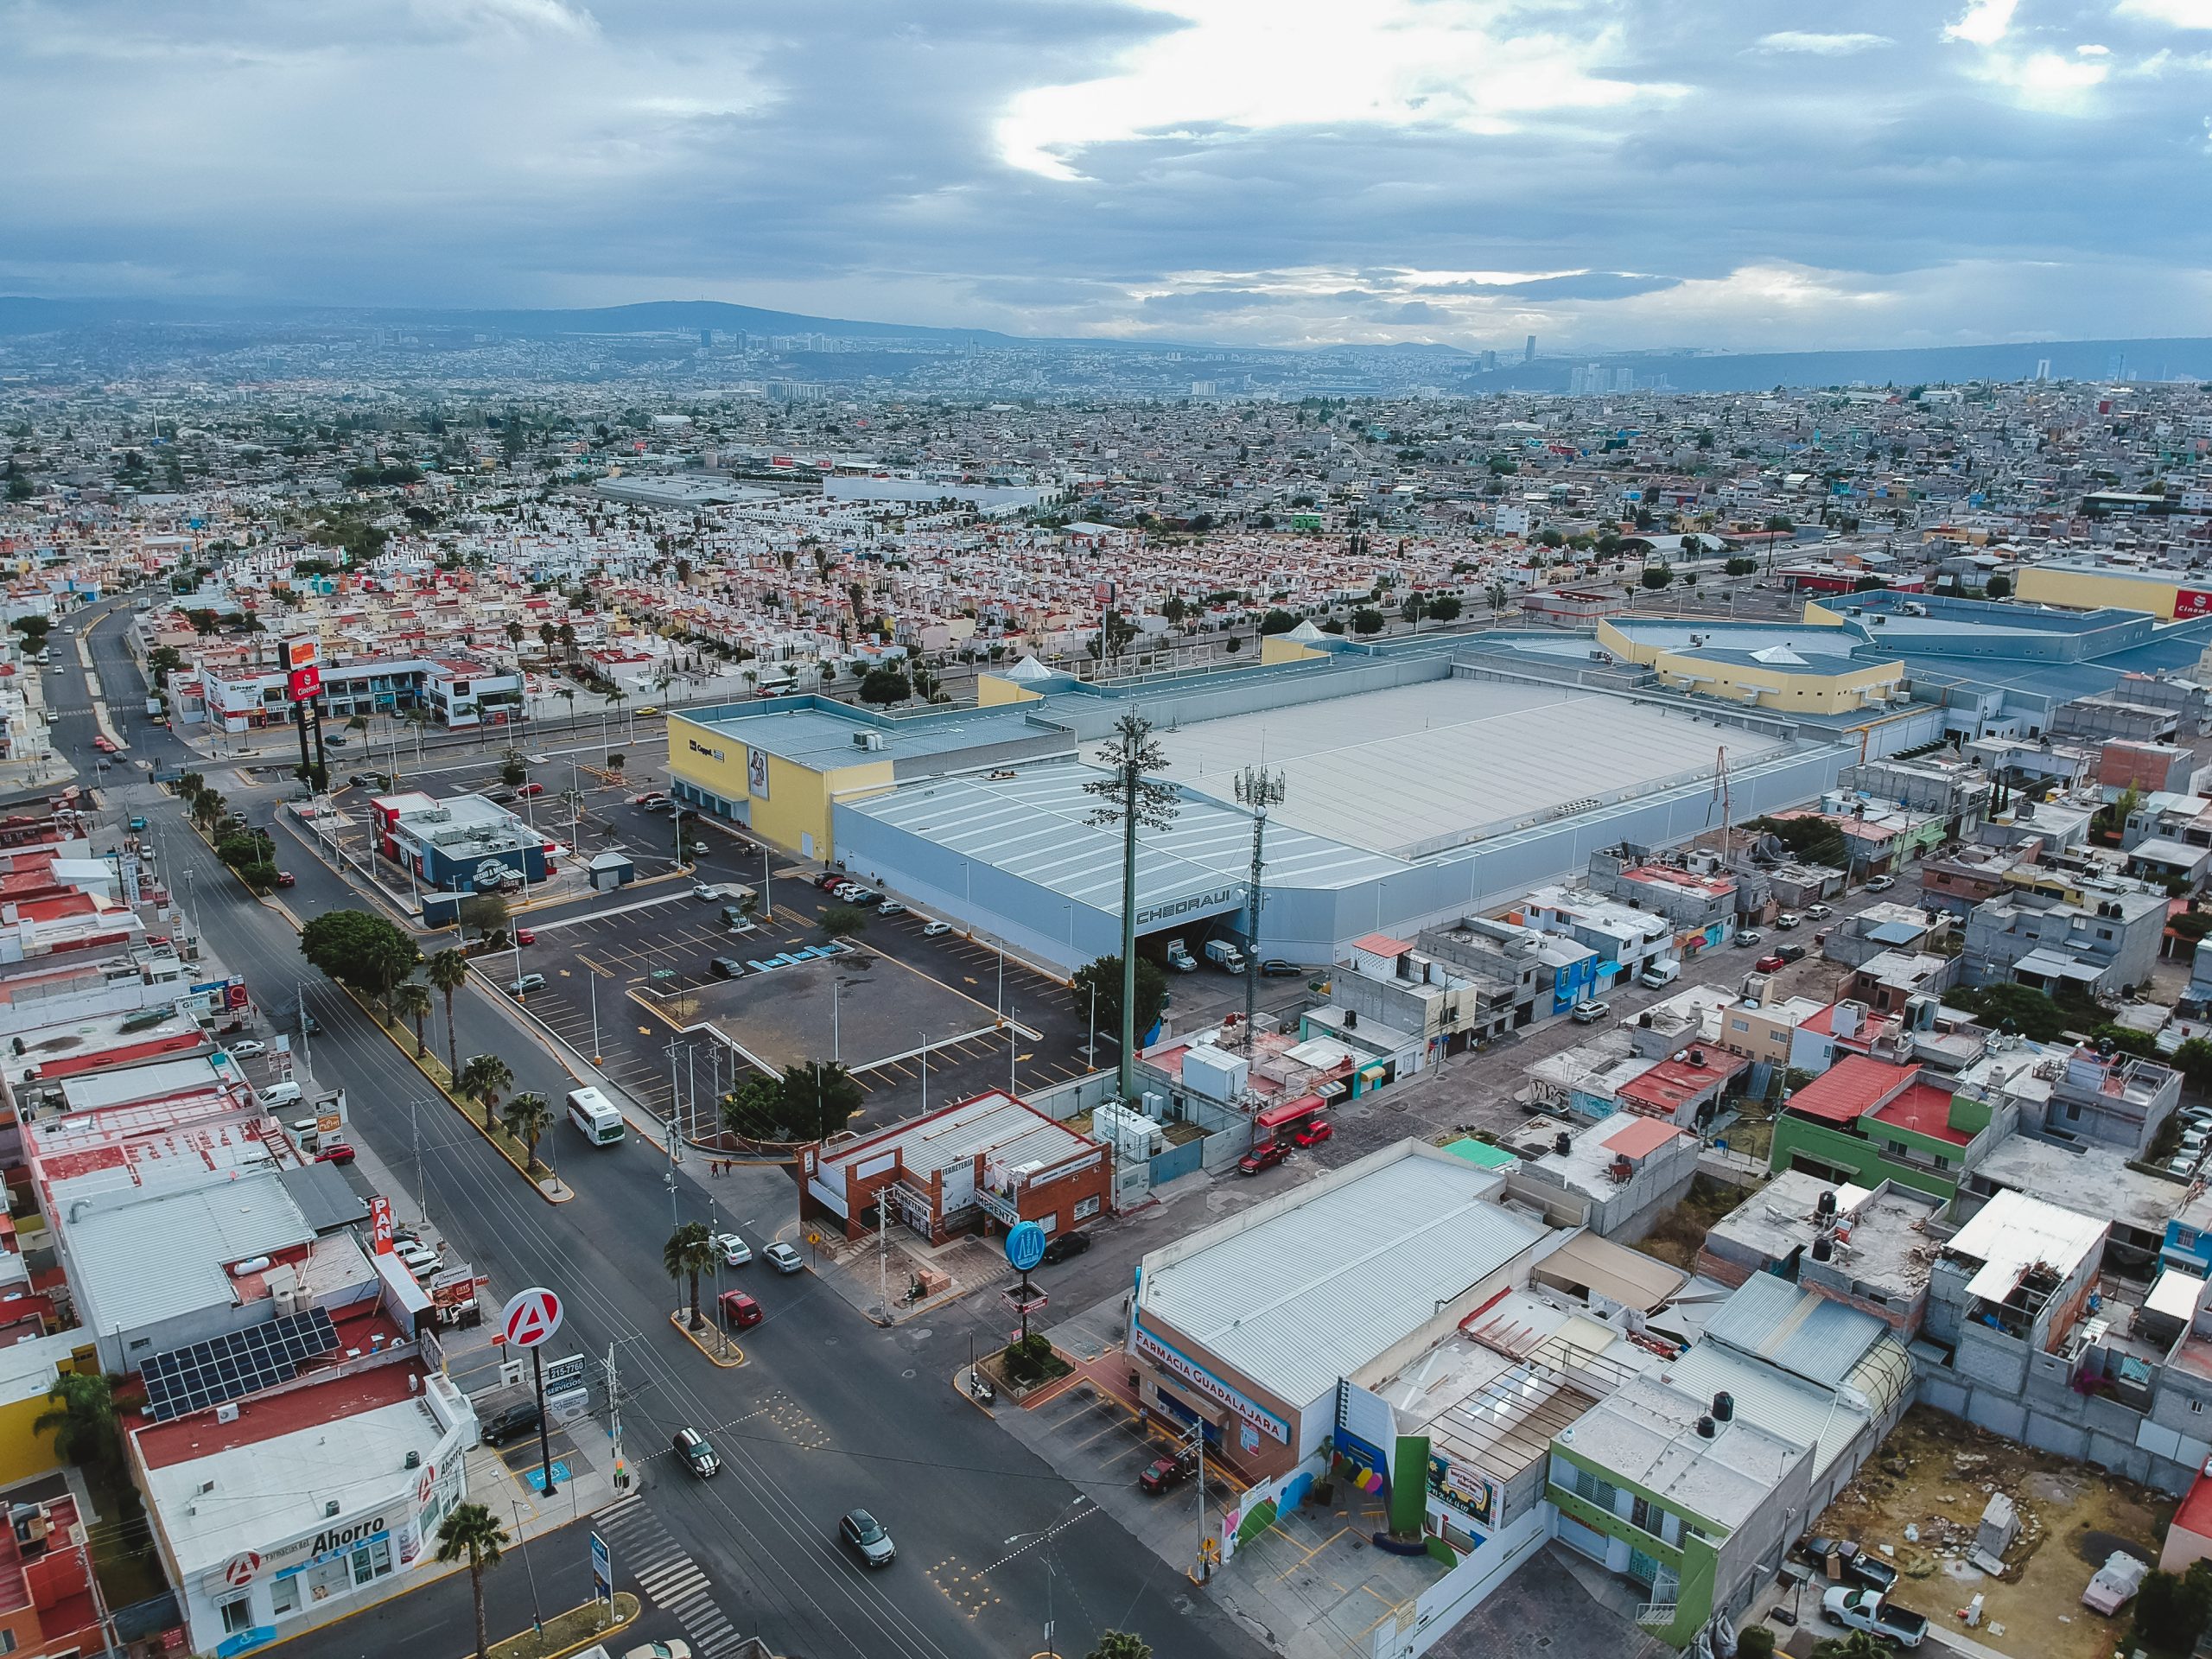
(1276, 968)
(1061, 1246)
(1861, 1565)
(726, 968)
(699, 1456)
(508, 1419)
(1790, 953)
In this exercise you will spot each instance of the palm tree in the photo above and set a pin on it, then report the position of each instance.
(83, 1422)
(470, 1532)
(410, 1000)
(527, 1116)
(484, 1077)
(688, 1253)
(449, 972)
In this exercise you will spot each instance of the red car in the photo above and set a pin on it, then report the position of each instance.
(1164, 1472)
(531, 789)
(1313, 1132)
(525, 936)
(740, 1311)
(286, 879)
(104, 746)
(335, 1152)
(1266, 1155)
(1770, 964)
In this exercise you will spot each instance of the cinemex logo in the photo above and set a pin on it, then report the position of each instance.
(1184, 906)
(345, 1537)
(697, 747)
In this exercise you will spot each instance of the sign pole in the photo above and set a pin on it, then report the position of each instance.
(544, 1434)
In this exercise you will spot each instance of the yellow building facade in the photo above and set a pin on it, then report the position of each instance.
(786, 802)
(2161, 594)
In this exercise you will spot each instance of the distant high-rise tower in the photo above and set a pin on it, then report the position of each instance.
(2043, 368)
(1490, 362)
(1528, 352)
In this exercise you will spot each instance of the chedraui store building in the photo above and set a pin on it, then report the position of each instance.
(779, 766)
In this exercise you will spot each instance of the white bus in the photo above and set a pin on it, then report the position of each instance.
(592, 1113)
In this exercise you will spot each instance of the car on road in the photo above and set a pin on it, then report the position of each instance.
(784, 1259)
(740, 1311)
(531, 789)
(525, 936)
(936, 930)
(700, 849)
(1313, 1131)
(526, 985)
(137, 826)
(1869, 1610)
(650, 709)
(1863, 1565)
(734, 1250)
(1589, 1014)
(1277, 968)
(1751, 936)
(102, 745)
(1266, 1155)
(866, 1535)
(705, 890)
(1789, 953)
(1164, 1472)
(891, 907)
(1772, 963)
(1819, 912)
(726, 968)
(335, 1152)
(335, 741)
(697, 1455)
(1881, 884)
(248, 1050)
(1063, 1246)
(674, 1648)
(366, 780)
(1787, 920)
(286, 879)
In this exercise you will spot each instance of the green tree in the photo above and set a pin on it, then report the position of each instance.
(1103, 977)
(1278, 621)
(83, 1422)
(485, 911)
(882, 685)
(2034, 1014)
(512, 772)
(528, 1116)
(472, 1533)
(189, 784)
(447, 971)
(410, 1000)
(1996, 587)
(1121, 1645)
(1741, 566)
(362, 952)
(1131, 798)
(483, 1077)
(1445, 607)
(844, 921)
(1366, 620)
(754, 1109)
(818, 1099)
(239, 851)
(688, 1253)
(1657, 577)
(34, 630)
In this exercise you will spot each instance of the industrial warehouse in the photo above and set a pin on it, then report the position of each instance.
(1423, 780)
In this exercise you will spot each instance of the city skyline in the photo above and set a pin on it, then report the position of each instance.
(1606, 178)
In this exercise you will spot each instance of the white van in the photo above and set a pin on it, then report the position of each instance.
(595, 1115)
(280, 1093)
(1659, 973)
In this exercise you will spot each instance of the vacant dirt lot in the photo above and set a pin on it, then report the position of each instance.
(1936, 1473)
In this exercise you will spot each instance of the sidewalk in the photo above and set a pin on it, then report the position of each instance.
(850, 1268)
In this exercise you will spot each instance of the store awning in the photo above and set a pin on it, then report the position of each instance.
(1289, 1111)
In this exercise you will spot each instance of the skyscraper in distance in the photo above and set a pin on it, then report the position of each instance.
(1528, 352)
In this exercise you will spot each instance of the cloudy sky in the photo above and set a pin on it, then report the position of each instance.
(1605, 174)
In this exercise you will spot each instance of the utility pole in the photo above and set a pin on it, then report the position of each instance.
(1013, 1042)
(925, 1072)
(1127, 797)
(615, 1420)
(882, 1251)
(1259, 790)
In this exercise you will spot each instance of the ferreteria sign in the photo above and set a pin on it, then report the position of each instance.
(1168, 908)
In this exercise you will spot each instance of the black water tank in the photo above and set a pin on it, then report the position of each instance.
(1724, 1407)
(1562, 1143)
(1825, 1205)
(1821, 1248)
(1352, 1018)
(1705, 1427)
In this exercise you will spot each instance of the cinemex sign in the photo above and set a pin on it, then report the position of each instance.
(1168, 909)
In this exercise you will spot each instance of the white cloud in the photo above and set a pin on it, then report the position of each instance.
(2175, 14)
(1984, 24)
(1825, 46)
(1253, 66)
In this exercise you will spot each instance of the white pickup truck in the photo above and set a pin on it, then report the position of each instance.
(1869, 1611)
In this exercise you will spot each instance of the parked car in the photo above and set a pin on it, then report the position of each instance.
(891, 907)
(1173, 1470)
(1863, 1565)
(830, 881)
(866, 1535)
(525, 936)
(674, 1648)
(784, 1259)
(1061, 1246)
(335, 1152)
(696, 1454)
(1277, 968)
(527, 983)
(508, 1421)
(1819, 912)
(1789, 953)
(734, 1250)
(726, 968)
(1266, 1155)
(365, 780)
(936, 930)
(1787, 920)
(1771, 963)
(1881, 883)
(1751, 936)
(1869, 1610)
(1589, 1014)
(706, 891)
(248, 1050)
(740, 1311)
(1313, 1131)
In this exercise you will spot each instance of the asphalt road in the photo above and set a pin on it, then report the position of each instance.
(830, 1412)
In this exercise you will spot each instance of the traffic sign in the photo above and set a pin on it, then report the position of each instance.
(1025, 1245)
(602, 1569)
(531, 1317)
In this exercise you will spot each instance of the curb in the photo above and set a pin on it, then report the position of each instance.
(680, 1319)
(968, 1393)
(612, 1627)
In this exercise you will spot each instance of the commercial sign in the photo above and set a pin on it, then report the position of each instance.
(697, 747)
(2192, 601)
(531, 1317)
(303, 651)
(1166, 908)
(756, 773)
(1466, 1490)
(380, 1224)
(302, 1553)
(305, 684)
(1212, 1386)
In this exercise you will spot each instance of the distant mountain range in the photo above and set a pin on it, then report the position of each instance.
(1449, 368)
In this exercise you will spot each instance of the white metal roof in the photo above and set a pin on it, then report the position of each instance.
(2013, 1232)
(1304, 1289)
(137, 1261)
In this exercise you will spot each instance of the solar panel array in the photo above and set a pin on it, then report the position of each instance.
(238, 1363)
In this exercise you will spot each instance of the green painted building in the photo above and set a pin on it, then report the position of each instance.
(1697, 1510)
(1869, 1120)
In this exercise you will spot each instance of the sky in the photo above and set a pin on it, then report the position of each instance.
(1607, 174)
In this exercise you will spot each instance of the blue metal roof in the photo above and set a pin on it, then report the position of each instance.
(1801, 1332)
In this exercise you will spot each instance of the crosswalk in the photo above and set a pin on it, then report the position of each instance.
(649, 1554)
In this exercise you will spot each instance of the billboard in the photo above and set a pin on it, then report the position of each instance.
(305, 683)
(303, 650)
(2191, 601)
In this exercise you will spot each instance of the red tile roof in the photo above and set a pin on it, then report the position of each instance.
(1668, 1086)
(1640, 1136)
(1844, 1092)
(1925, 1109)
(1382, 944)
